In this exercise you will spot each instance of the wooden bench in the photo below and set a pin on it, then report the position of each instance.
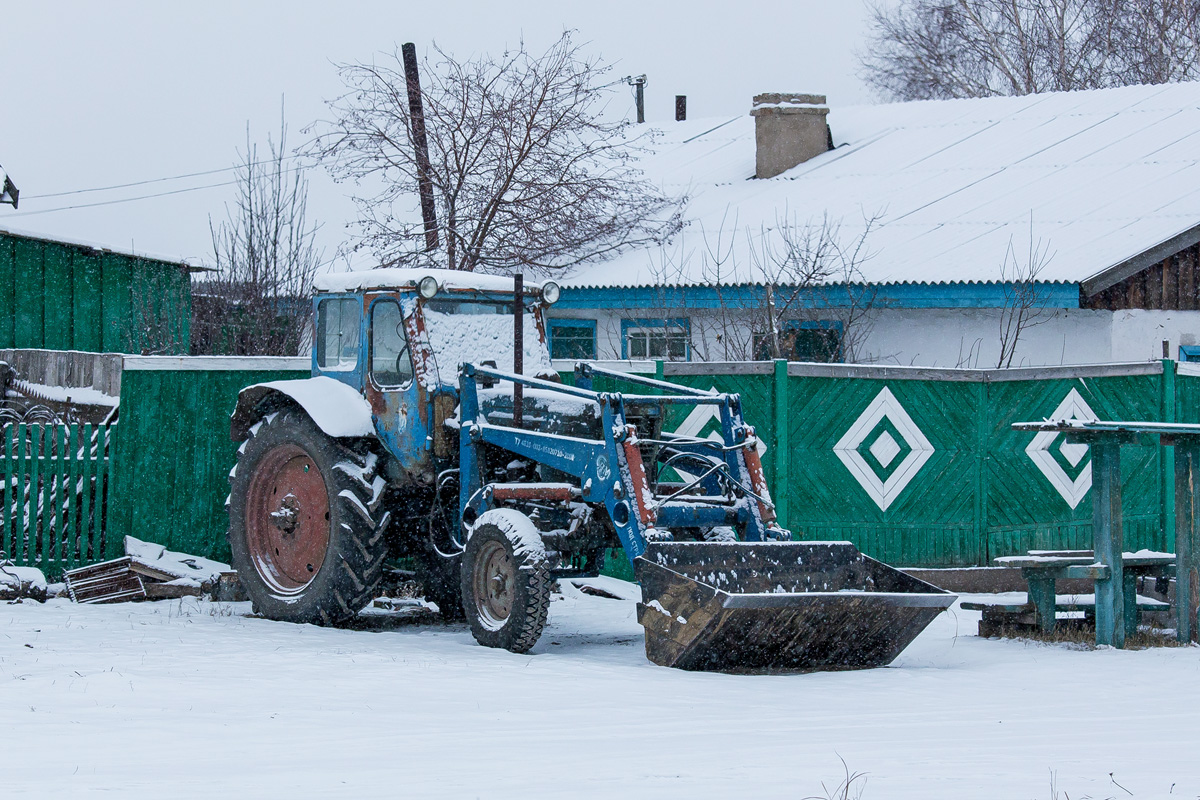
(1043, 568)
(998, 617)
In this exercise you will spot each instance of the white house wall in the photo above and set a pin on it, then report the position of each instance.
(970, 338)
(1137, 335)
(954, 337)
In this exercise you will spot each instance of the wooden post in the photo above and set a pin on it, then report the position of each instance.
(1109, 540)
(1187, 504)
(1042, 594)
(1167, 455)
(781, 444)
(416, 114)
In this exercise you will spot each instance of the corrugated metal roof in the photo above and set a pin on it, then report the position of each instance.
(1099, 177)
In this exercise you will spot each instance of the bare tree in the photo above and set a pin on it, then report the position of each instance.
(525, 170)
(266, 255)
(938, 49)
(789, 281)
(1026, 303)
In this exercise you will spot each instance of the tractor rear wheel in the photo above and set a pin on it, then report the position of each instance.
(505, 581)
(304, 531)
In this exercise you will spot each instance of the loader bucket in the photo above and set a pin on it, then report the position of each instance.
(778, 606)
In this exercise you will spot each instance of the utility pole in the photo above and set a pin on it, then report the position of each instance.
(416, 114)
(638, 82)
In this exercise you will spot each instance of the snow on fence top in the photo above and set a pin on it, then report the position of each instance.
(1099, 176)
(396, 277)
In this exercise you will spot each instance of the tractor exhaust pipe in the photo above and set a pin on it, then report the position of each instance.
(518, 347)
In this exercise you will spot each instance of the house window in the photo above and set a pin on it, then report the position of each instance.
(573, 339)
(665, 339)
(337, 333)
(1189, 352)
(817, 341)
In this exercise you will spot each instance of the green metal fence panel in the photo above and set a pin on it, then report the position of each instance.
(54, 493)
(64, 296)
(8, 293)
(29, 292)
(58, 306)
(88, 303)
(170, 477)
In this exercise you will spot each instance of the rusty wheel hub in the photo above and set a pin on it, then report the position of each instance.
(494, 585)
(287, 519)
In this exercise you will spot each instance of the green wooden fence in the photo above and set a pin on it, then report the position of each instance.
(54, 494)
(920, 467)
(171, 467)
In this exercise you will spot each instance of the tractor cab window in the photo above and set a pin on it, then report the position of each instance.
(391, 364)
(337, 333)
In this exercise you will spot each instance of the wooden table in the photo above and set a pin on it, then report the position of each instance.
(1042, 570)
(1105, 440)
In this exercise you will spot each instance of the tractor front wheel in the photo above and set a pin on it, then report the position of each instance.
(505, 581)
(304, 533)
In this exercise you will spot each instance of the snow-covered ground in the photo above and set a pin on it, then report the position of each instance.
(195, 699)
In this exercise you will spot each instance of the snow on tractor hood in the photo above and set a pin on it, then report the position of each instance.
(399, 277)
(457, 339)
(339, 410)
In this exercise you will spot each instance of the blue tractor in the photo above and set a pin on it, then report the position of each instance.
(435, 429)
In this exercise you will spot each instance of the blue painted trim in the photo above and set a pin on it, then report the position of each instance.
(674, 322)
(1189, 352)
(577, 324)
(899, 295)
(572, 322)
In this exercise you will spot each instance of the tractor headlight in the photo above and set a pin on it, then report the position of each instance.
(428, 287)
(550, 293)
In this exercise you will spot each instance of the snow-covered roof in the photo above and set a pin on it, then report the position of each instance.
(101, 247)
(1101, 177)
(396, 277)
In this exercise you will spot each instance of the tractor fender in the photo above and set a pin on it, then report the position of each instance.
(337, 409)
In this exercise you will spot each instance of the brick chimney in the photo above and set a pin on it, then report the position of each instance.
(789, 129)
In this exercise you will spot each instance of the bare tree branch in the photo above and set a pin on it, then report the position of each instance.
(773, 286)
(939, 49)
(526, 172)
(1026, 303)
(266, 254)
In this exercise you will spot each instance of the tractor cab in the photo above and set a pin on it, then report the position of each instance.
(398, 337)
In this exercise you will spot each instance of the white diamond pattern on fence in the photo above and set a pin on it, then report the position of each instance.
(874, 434)
(1046, 455)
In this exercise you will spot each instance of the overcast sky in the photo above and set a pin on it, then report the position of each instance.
(98, 94)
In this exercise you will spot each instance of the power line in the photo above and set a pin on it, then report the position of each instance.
(161, 180)
(121, 200)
